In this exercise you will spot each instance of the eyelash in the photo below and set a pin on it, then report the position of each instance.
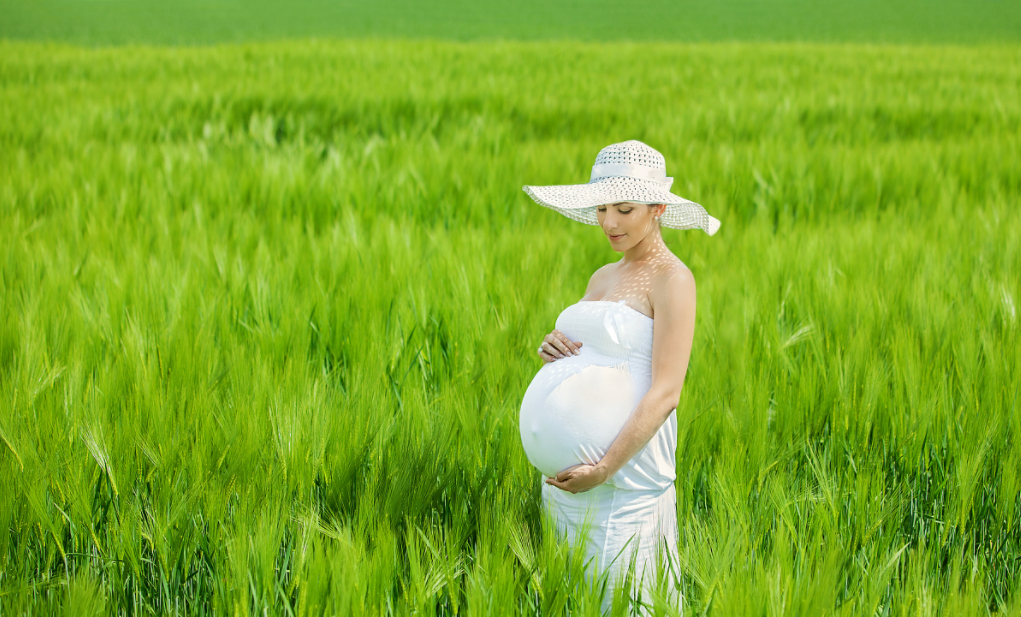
(621, 211)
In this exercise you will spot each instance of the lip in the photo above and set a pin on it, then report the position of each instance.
(611, 237)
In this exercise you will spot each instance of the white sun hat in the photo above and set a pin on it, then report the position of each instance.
(628, 171)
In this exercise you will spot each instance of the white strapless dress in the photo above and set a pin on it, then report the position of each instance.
(571, 413)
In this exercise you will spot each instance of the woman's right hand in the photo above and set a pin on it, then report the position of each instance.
(556, 346)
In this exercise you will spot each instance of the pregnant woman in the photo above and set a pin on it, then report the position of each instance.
(598, 419)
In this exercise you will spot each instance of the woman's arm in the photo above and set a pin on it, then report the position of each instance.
(673, 301)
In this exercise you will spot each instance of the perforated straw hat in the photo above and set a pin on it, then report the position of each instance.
(628, 171)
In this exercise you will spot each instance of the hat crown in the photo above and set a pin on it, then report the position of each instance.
(632, 152)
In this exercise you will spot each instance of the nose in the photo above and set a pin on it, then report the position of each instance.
(609, 221)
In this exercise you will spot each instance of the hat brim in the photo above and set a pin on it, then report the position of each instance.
(579, 201)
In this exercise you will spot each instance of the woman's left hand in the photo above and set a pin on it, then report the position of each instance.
(579, 478)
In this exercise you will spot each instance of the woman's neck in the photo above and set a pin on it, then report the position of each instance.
(650, 247)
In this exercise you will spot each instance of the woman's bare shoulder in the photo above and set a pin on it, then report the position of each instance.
(671, 279)
(671, 271)
(601, 279)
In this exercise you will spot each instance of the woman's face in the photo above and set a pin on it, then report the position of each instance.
(626, 223)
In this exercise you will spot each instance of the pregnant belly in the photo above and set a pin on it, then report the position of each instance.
(573, 410)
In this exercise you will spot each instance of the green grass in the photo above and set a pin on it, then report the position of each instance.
(212, 21)
(267, 313)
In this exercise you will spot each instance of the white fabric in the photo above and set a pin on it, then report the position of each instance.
(639, 172)
(573, 410)
(619, 527)
(575, 406)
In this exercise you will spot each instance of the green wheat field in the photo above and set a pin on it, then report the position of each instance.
(268, 310)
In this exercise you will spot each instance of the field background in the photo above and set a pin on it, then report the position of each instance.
(267, 309)
(216, 21)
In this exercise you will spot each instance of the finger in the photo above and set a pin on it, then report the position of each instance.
(573, 346)
(562, 339)
(560, 345)
(569, 346)
(564, 344)
(560, 485)
(566, 474)
(550, 350)
(555, 346)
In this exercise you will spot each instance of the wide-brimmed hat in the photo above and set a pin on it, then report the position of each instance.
(628, 171)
